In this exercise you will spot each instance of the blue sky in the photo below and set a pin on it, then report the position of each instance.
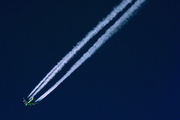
(134, 75)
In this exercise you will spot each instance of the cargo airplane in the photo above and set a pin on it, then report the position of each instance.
(29, 102)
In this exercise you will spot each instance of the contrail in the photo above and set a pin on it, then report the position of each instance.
(109, 33)
(92, 33)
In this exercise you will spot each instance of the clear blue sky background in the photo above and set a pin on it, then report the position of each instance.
(133, 76)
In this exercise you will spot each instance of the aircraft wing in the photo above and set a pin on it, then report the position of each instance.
(34, 103)
(25, 102)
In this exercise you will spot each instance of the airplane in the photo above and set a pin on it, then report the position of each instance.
(29, 102)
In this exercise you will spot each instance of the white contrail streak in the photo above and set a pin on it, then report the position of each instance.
(111, 31)
(60, 65)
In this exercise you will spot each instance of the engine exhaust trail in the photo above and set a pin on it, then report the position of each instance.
(109, 33)
(79, 45)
